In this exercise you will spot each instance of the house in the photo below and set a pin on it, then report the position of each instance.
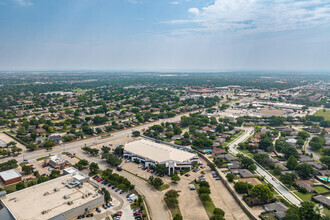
(307, 185)
(249, 124)
(323, 200)
(177, 137)
(40, 131)
(292, 142)
(217, 151)
(234, 165)
(284, 168)
(56, 138)
(277, 208)
(316, 165)
(305, 159)
(244, 173)
(227, 157)
(41, 139)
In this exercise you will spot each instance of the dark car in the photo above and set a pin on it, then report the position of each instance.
(109, 185)
(122, 192)
(117, 190)
(113, 187)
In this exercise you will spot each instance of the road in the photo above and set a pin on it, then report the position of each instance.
(283, 191)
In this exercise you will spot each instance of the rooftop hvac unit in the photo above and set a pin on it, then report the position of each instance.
(65, 196)
(70, 202)
(46, 193)
(56, 189)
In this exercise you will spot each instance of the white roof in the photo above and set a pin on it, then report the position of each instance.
(9, 174)
(157, 152)
(57, 159)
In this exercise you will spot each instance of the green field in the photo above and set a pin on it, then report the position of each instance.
(325, 114)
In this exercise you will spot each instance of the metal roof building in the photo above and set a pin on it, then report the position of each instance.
(10, 176)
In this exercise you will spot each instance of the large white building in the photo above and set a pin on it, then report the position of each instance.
(62, 198)
(151, 153)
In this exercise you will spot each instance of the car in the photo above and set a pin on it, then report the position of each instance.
(98, 209)
(217, 178)
(104, 206)
(109, 185)
(122, 192)
(113, 187)
(144, 168)
(111, 203)
(128, 195)
(117, 190)
(139, 166)
(187, 174)
(148, 170)
(118, 214)
(94, 177)
(151, 171)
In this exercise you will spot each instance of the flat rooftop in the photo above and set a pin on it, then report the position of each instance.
(158, 152)
(9, 174)
(29, 203)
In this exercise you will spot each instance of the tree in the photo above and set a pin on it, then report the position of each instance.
(105, 149)
(177, 217)
(107, 197)
(230, 177)
(316, 143)
(157, 182)
(27, 169)
(93, 167)
(175, 178)
(243, 187)
(171, 198)
(306, 171)
(309, 211)
(204, 190)
(288, 178)
(292, 214)
(20, 186)
(292, 163)
(277, 170)
(262, 192)
(54, 174)
(303, 134)
(325, 160)
(136, 133)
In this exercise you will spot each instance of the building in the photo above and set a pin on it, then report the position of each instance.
(59, 199)
(57, 161)
(10, 176)
(323, 200)
(2, 143)
(151, 153)
(277, 208)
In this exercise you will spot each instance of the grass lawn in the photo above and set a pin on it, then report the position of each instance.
(320, 189)
(42, 158)
(247, 153)
(163, 187)
(325, 114)
(175, 211)
(208, 205)
(326, 211)
(304, 196)
(23, 163)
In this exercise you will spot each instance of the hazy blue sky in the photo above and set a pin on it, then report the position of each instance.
(165, 35)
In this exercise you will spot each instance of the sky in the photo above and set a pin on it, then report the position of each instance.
(165, 35)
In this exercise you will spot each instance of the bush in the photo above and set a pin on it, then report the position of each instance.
(178, 217)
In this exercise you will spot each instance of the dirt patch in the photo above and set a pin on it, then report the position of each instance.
(272, 112)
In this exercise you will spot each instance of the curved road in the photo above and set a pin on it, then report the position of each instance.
(282, 190)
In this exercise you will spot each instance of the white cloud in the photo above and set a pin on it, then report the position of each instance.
(23, 2)
(174, 3)
(259, 15)
(194, 11)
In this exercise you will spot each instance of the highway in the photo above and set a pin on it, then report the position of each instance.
(282, 190)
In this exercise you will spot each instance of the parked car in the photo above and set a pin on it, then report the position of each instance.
(117, 190)
(113, 187)
(122, 192)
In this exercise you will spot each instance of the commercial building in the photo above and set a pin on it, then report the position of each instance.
(57, 161)
(2, 143)
(151, 153)
(59, 199)
(10, 176)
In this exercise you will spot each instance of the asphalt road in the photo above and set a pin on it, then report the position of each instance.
(283, 191)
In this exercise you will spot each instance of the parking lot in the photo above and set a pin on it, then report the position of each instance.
(120, 203)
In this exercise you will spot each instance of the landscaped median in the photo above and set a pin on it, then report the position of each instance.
(203, 189)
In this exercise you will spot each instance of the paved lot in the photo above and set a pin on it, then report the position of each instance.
(8, 139)
(222, 198)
